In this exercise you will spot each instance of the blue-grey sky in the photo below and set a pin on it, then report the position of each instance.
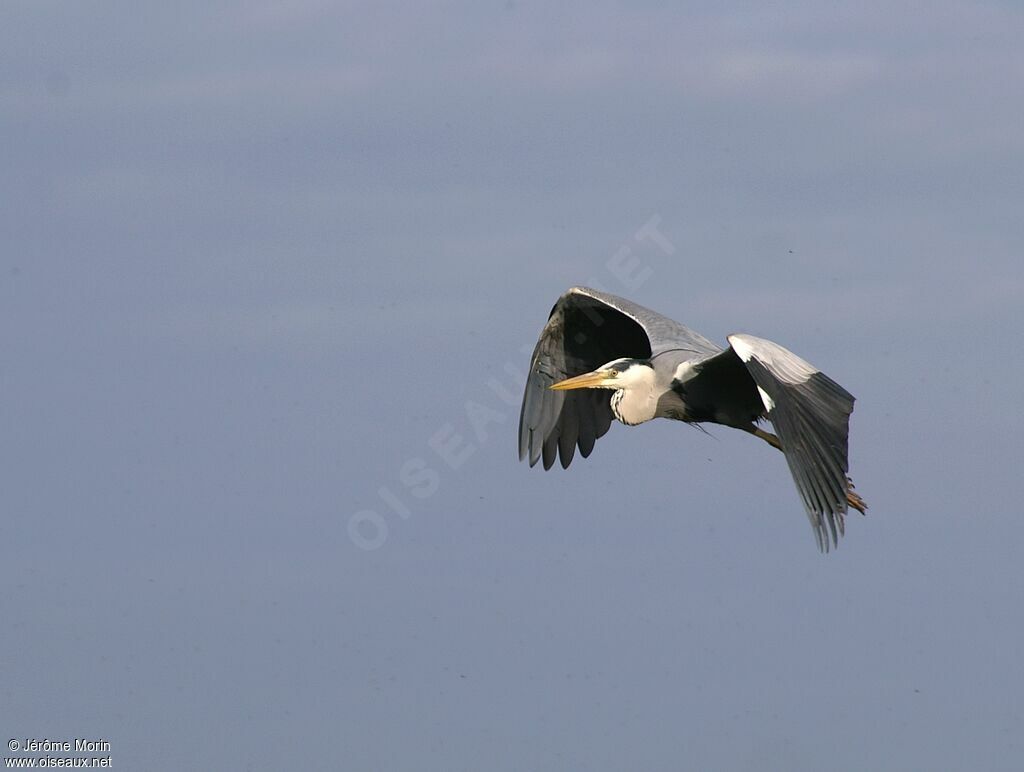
(268, 274)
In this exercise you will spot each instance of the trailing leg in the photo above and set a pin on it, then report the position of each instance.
(852, 497)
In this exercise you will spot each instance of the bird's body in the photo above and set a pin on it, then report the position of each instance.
(658, 368)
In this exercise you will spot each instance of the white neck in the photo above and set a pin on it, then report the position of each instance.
(638, 401)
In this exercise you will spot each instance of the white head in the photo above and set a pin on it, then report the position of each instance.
(635, 399)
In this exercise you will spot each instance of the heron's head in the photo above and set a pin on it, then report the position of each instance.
(617, 374)
(635, 399)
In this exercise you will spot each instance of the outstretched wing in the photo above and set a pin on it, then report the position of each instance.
(811, 415)
(585, 330)
(582, 333)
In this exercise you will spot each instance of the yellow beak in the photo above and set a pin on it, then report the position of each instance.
(596, 379)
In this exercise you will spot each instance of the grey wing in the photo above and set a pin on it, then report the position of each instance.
(585, 330)
(664, 334)
(811, 415)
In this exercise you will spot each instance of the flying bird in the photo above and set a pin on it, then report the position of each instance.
(655, 367)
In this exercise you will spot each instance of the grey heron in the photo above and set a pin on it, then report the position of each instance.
(657, 368)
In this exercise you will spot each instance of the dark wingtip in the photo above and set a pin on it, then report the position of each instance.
(550, 452)
(566, 458)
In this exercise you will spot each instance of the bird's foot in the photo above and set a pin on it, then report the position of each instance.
(853, 498)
